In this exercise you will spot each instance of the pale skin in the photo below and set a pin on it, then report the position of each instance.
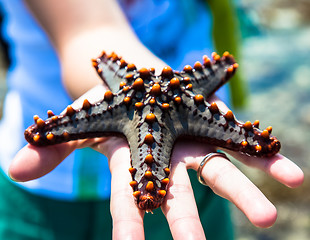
(80, 30)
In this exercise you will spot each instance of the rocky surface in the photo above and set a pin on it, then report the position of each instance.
(276, 64)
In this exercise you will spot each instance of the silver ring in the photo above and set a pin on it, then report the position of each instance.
(203, 163)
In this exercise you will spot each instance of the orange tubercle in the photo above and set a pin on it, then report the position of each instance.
(144, 73)
(132, 170)
(113, 56)
(199, 98)
(149, 159)
(213, 107)
(40, 123)
(54, 118)
(148, 174)
(175, 82)
(122, 84)
(127, 100)
(244, 143)
(139, 105)
(230, 69)
(165, 106)
(108, 95)
(167, 171)
(167, 72)
(248, 126)
(265, 134)
(133, 184)
(186, 79)
(129, 76)
(138, 83)
(156, 89)
(36, 137)
(206, 61)
(258, 148)
(35, 118)
(198, 66)
(149, 186)
(86, 104)
(136, 194)
(94, 62)
(189, 86)
(229, 115)
(66, 135)
(149, 139)
(50, 113)
(125, 89)
(256, 123)
(269, 129)
(131, 67)
(178, 100)
(226, 54)
(123, 63)
(152, 101)
(150, 118)
(70, 110)
(152, 70)
(162, 193)
(215, 56)
(165, 181)
(103, 53)
(50, 136)
(187, 68)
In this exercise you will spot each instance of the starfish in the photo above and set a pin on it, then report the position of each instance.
(151, 112)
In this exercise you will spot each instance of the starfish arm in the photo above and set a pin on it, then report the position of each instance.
(113, 70)
(223, 130)
(151, 142)
(92, 120)
(208, 77)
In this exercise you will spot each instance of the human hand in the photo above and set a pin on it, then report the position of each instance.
(179, 206)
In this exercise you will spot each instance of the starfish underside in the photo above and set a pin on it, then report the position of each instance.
(152, 111)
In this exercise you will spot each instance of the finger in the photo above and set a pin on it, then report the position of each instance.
(33, 162)
(227, 181)
(279, 167)
(127, 218)
(180, 206)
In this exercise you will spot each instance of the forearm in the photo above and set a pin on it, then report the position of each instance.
(80, 30)
(77, 54)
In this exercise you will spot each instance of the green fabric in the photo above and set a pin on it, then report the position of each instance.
(24, 216)
(87, 173)
(227, 37)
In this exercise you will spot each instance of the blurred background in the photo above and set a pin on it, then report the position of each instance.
(275, 61)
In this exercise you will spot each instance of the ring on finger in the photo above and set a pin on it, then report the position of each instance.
(203, 163)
